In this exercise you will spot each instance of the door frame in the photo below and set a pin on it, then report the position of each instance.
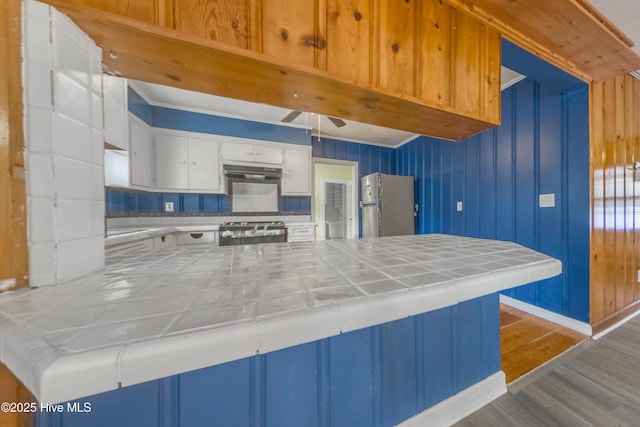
(355, 192)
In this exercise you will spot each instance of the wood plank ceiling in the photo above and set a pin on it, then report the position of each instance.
(570, 34)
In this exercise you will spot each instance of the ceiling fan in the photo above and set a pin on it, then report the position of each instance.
(294, 114)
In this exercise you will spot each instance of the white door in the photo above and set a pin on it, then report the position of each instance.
(204, 165)
(172, 155)
(141, 155)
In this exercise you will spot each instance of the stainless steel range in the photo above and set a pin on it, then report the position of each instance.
(246, 233)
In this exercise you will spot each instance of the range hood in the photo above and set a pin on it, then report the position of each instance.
(252, 173)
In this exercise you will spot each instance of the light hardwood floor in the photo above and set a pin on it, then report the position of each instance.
(527, 341)
(597, 383)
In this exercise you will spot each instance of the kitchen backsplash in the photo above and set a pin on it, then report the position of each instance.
(131, 203)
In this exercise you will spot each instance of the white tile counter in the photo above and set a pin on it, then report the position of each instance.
(160, 313)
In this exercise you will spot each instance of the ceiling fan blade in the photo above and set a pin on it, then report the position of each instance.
(291, 116)
(337, 122)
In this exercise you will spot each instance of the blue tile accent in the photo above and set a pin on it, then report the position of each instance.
(191, 203)
(296, 204)
(375, 376)
(149, 202)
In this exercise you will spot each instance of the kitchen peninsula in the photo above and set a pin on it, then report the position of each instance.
(369, 331)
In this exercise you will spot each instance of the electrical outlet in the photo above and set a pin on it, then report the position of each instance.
(459, 206)
(547, 200)
(638, 275)
(168, 206)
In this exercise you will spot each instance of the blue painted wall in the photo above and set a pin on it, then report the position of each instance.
(542, 146)
(370, 158)
(170, 118)
(376, 376)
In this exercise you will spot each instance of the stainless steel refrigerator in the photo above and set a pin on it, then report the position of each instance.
(387, 205)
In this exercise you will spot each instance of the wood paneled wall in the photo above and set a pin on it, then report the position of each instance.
(423, 51)
(615, 197)
(13, 232)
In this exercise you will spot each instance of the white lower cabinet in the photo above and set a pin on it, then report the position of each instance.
(296, 179)
(184, 163)
(301, 232)
(197, 237)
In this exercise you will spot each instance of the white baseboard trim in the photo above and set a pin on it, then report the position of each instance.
(615, 325)
(567, 322)
(460, 405)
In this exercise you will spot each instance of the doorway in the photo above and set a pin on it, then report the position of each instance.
(334, 199)
(337, 200)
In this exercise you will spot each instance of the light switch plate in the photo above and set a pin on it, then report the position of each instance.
(168, 206)
(547, 200)
(639, 276)
(459, 206)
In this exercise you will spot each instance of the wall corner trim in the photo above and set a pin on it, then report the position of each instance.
(567, 322)
(461, 404)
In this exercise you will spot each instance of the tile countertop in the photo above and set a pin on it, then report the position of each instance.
(155, 314)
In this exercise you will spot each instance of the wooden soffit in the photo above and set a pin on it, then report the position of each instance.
(570, 34)
(156, 54)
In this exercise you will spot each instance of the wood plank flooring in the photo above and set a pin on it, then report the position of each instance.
(527, 341)
(596, 383)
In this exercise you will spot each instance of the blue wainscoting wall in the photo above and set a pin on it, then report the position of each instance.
(376, 376)
(541, 147)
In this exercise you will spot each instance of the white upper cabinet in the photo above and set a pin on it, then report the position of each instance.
(266, 154)
(114, 91)
(141, 153)
(186, 163)
(172, 158)
(296, 179)
(204, 165)
(251, 153)
(237, 151)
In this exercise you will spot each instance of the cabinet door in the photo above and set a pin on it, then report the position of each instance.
(114, 97)
(204, 165)
(172, 162)
(267, 154)
(237, 151)
(297, 172)
(141, 153)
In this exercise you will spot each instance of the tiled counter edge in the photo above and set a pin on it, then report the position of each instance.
(54, 377)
